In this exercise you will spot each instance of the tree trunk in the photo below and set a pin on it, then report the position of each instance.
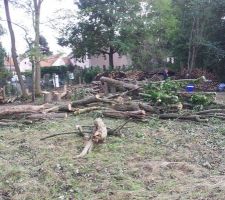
(13, 48)
(118, 84)
(111, 64)
(37, 7)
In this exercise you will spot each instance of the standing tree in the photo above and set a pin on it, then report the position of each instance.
(13, 48)
(36, 24)
(104, 27)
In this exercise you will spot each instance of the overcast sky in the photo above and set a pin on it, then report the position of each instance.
(50, 10)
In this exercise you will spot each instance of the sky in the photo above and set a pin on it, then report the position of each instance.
(50, 10)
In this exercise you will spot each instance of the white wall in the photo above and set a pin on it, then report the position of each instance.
(25, 65)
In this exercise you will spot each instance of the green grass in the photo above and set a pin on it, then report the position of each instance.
(135, 166)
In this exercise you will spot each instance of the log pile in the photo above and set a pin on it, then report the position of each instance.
(126, 101)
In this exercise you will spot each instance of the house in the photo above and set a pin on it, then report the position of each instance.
(55, 60)
(9, 64)
(102, 61)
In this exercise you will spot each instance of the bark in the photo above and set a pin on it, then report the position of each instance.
(13, 48)
(130, 106)
(111, 63)
(85, 101)
(128, 114)
(61, 108)
(85, 110)
(196, 118)
(47, 97)
(99, 134)
(10, 110)
(210, 111)
(37, 8)
(40, 116)
(118, 84)
(146, 107)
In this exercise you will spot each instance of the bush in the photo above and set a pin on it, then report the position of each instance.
(89, 74)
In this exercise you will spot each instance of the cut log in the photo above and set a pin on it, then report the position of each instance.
(130, 106)
(47, 116)
(146, 107)
(196, 118)
(140, 114)
(61, 108)
(210, 111)
(10, 110)
(87, 100)
(85, 110)
(118, 84)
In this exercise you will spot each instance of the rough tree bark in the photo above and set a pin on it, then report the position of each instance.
(13, 48)
(37, 8)
(111, 52)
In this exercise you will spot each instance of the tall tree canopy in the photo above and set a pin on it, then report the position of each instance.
(200, 41)
(104, 27)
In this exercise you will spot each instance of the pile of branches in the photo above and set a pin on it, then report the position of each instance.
(164, 99)
(211, 85)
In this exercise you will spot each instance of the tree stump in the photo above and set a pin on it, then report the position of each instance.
(47, 97)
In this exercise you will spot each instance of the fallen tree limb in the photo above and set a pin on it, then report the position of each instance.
(61, 108)
(85, 110)
(118, 84)
(10, 110)
(210, 111)
(196, 118)
(99, 135)
(47, 116)
(129, 106)
(87, 100)
(146, 107)
(140, 114)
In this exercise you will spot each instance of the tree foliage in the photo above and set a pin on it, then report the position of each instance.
(104, 27)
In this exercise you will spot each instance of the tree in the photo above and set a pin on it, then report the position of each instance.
(161, 29)
(36, 24)
(200, 40)
(2, 56)
(13, 48)
(104, 27)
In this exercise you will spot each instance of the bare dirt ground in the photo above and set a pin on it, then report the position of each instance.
(154, 160)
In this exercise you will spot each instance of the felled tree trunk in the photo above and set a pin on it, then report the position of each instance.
(47, 116)
(140, 114)
(146, 107)
(130, 106)
(118, 84)
(85, 101)
(61, 108)
(85, 110)
(10, 110)
(196, 118)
